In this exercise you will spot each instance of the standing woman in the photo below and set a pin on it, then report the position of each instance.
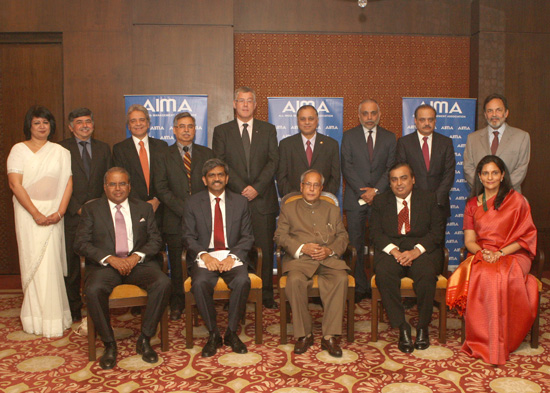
(493, 286)
(39, 174)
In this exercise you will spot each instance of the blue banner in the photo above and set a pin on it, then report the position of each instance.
(283, 110)
(455, 119)
(163, 108)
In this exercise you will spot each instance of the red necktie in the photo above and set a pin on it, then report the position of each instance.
(494, 145)
(403, 219)
(144, 163)
(370, 146)
(309, 153)
(219, 239)
(426, 153)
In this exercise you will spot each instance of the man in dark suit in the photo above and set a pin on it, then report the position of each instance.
(90, 159)
(308, 150)
(368, 151)
(218, 236)
(136, 154)
(407, 233)
(178, 175)
(252, 157)
(119, 238)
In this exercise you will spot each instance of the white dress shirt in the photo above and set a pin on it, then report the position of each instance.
(400, 206)
(312, 141)
(249, 129)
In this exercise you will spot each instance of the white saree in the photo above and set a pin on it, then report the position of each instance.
(45, 310)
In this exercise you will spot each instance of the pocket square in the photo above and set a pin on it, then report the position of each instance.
(142, 219)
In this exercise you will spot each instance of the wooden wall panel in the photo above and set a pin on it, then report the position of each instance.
(183, 12)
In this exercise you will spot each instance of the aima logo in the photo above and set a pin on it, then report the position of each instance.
(457, 172)
(154, 128)
(447, 233)
(460, 180)
(331, 128)
(167, 105)
(455, 207)
(166, 137)
(293, 127)
(461, 145)
(455, 136)
(447, 128)
(280, 127)
(459, 215)
(457, 154)
(455, 189)
(461, 198)
(459, 163)
(464, 128)
(452, 241)
(443, 107)
(289, 107)
(452, 224)
(456, 250)
(411, 127)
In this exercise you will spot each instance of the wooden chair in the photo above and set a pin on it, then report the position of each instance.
(408, 291)
(123, 296)
(537, 268)
(222, 292)
(350, 256)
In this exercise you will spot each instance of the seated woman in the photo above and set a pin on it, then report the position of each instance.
(492, 286)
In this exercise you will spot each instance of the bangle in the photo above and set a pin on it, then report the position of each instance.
(502, 253)
(59, 215)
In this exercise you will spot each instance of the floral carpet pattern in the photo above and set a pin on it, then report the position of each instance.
(31, 363)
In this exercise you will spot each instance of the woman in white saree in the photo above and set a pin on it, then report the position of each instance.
(39, 174)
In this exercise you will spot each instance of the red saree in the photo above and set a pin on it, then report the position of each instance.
(500, 300)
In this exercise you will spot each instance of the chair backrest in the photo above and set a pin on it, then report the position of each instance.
(325, 196)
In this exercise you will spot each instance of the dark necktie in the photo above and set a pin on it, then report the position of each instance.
(494, 145)
(219, 239)
(86, 159)
(426, 153)
(187, 164)
(403, 219)
(121, 236)
(370, 146)
(309, 153)
(246, 145)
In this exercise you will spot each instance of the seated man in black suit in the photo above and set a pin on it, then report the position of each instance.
(406, 233)
(119, 238)
(217, 234)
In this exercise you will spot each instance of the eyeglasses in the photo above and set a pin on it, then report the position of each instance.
(184, 126)
(314, 185)
(114, 185)
(242, 101)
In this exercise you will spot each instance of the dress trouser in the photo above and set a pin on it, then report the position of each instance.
(175, 249)
(263, 228)
(357, 220)
(72, 280)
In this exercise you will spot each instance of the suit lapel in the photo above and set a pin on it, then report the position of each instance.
(505, 140)
(228, 215)
(95, 158)
(417, 151)
(485, 141)
(136, 218)
(75, 151)
(414, 209)
(391, 210)
(235, 135)
(107, 217)
(318, 149)
(434, 157)
(207, 213)
(133, 157)
(176, 157)
(299, 148)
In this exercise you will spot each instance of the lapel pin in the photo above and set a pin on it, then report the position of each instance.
(321, 142)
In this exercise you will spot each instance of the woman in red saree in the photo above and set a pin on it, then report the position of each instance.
(492, 287)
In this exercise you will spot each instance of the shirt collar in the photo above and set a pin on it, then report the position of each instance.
(125, 205)
(407, 199)
(180, 146)
(213, 197)
(145, 140)
(312, 140)
(366, 130)
(249, 122)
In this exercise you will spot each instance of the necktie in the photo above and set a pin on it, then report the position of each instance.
(309, 153)
(246, 145)
(403, 219)
(426, 153)
(86, 159)
(187, 165)
(121, 236)
(219, 239)
(144, 163)
(494, 145)
(370, 146)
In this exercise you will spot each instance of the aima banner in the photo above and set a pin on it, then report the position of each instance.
(163, 108)
(282, 114)
(455, 119)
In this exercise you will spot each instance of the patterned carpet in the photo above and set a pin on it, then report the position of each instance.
(34, 364)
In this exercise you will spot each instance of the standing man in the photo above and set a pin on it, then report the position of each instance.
(407, 233)
(90, 159)
(249, 147)
(308, 150)
(119, 238)
(511, 144)
(313, 236)
(368, 151)
(218, 236)
(136, 154)
(178, 175)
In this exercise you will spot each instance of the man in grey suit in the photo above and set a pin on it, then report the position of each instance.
(217, 234)
(90, 159)
(308, 150)
(249, 147)
(368, 151)
(511, 144)
(178, 174)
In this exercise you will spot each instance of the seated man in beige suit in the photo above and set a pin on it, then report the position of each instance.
(313, 236)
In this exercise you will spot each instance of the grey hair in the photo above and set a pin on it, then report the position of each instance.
(312, 171)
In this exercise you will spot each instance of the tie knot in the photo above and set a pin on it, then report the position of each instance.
(425, 139)
(495, 133)
(186, 148)
(218, 200)
(83, 143)
(245, 126)
(404, 203)
(141, 143)
(118, 207)
(308, 143)
(370, 132)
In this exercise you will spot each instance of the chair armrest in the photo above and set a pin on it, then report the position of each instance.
(184, 264)
(279, 252)
(445, 271)
(164, 258)
(82, 272)
(538, 264)
(463, 253)
(256, 254)
(350, 256)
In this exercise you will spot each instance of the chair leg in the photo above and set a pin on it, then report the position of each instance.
(164, 331)
(259, 320)
(535, 329)
(188, 322)
(442, 322)
(91, 339)
(283, 315)
(374, 315)
(351, 315)
(462, 330)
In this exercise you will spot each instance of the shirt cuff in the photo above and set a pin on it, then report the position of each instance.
(199, 256)
(389, 247)
(103, 261)
(420, 248)
(298, 252)
(140, 255)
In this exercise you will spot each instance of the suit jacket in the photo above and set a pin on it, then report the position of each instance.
(197, 225)
(298, 225)
(426, 225)
(357, 169)
(293, 162)
(440, 178)
(172, 185)
(514, 148)
(85, 189)
(95, 237)
(264, 158)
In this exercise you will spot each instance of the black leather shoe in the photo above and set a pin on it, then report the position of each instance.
(405, 341)
(143, 348)
(175, 313)
(362, 295)
(76, 315)
(214, 342)
(331, 345)
(270, 303)
(422, 338)
(231, 339)
(302, 344)
(108, 360)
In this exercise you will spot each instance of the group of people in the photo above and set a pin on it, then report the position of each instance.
(76, 199)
